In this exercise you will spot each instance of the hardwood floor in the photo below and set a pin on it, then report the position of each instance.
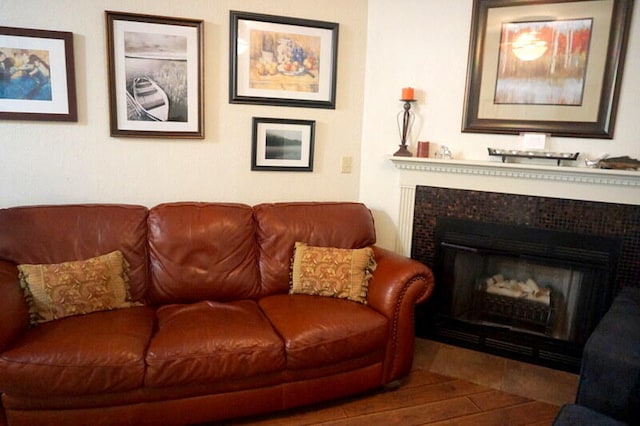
(447, 386)
(425, 398)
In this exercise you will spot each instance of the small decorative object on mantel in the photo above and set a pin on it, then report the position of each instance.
(405, 120)
(423, 149)
(512, 153)
(533, 141)
(444, 153)
(615, 163)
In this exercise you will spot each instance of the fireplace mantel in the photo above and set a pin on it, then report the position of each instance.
(568, 182)
(553, 173)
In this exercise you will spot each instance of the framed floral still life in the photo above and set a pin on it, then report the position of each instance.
(155, 76)
(282, 145)
(277, 60)
(37, 77)
(546, 66)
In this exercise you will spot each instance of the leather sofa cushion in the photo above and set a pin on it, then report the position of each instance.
(80, 355)
(320, 331)
(202, 251)
(330, 224)
(209, 341)
(55, 234)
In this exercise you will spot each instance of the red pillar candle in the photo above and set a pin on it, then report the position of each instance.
(423, 149)
(407, 93)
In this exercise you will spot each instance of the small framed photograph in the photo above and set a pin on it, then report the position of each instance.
(546, 66)
(37, 77)
(277, 60)
(282, 145)
(155, 76)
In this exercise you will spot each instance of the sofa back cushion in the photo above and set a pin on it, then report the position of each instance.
(202, 251)
(61, 233)
(329, 224)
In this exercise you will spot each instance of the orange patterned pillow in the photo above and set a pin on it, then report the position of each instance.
(55, 291)
(334, 272)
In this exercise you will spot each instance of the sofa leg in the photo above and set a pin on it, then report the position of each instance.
(392, 386)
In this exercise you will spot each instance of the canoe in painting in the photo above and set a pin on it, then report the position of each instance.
(151, 98)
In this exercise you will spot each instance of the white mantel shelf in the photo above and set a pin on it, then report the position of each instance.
(558, 181)
(562, 173)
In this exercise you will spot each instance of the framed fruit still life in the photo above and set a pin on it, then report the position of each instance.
(282, 61)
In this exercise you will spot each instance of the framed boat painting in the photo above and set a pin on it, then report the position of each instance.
(37, 78)
(277, 60)
(155, 76)
(546, 66)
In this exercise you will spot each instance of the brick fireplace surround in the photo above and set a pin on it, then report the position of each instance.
(575, 199)
(585, 217)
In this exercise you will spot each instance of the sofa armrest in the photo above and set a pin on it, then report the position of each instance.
(398, 284)
(14, 313)
(610, 372)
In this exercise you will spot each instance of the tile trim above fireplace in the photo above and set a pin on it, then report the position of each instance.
(578, 183)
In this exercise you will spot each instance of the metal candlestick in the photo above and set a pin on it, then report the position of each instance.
(404, 127)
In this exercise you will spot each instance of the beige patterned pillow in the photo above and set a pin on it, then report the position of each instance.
(334, 272)
(55, 291)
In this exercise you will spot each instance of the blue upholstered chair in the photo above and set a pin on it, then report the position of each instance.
(609, 386)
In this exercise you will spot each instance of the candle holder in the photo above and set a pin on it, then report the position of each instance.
(405, 119)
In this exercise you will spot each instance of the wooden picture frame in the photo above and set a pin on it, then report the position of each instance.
(282, 144)
(277, 60)
(155, 76)
(37, 75)
(547, 66)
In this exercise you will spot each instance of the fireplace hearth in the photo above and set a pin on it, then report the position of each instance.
(521, 276)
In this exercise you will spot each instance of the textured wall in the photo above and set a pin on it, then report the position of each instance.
(45, 162)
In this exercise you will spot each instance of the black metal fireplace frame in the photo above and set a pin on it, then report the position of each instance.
(601, 253)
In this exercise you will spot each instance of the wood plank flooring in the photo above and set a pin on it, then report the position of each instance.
(425, 398)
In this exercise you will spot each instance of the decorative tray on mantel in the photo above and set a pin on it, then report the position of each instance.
(512, 153)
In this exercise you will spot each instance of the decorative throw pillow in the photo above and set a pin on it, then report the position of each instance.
(334, 272)
(55, 291)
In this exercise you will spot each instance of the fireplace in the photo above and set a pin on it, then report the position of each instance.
(521, 276)
(531, 294)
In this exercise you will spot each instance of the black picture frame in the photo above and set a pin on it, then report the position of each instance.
(156, 76)
(277, 60)
(493, 104)
(282, 144)
(37, 75)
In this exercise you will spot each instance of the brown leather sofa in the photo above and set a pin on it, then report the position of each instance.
(218, 335)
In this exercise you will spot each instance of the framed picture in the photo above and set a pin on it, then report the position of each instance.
(548, 66)
(155, 76)
(282, 61)
(37, 78)
(282, 145)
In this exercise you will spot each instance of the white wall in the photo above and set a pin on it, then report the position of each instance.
(46, 162)
(424, 44)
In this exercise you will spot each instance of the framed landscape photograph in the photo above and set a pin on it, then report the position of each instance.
(37, 77)
(282, 145)
(155, 76)
(547, 66)
(277, 60)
